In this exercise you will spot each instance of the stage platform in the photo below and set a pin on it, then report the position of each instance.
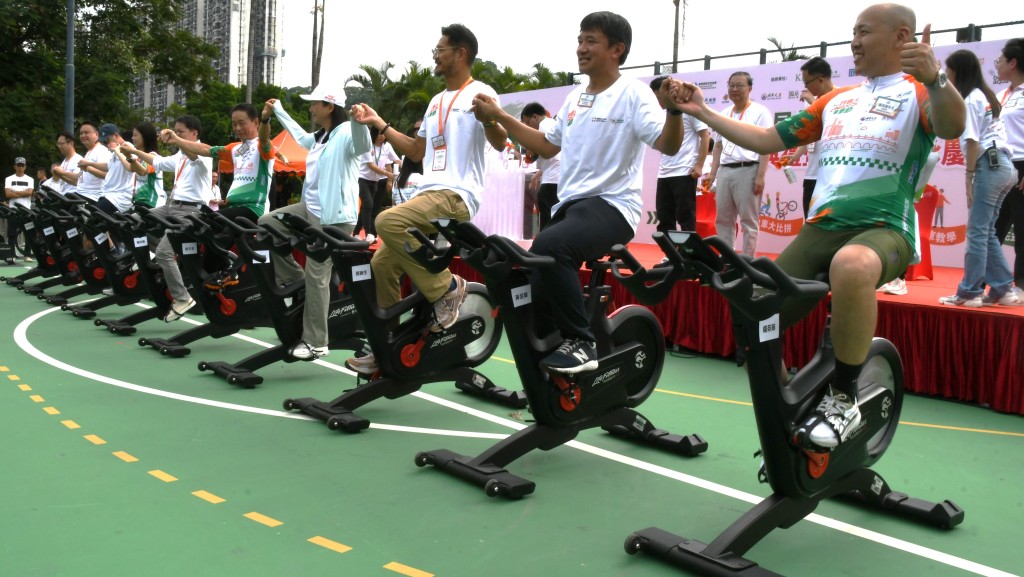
(971, 355)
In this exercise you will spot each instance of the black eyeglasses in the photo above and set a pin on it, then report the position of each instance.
(810, 80)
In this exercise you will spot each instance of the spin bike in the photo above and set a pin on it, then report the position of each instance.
(46, 266)
(408, 354)
(254, 245)
(630, 344)
(228, 310)
(800, 474)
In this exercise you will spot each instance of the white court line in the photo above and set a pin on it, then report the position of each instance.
(20, 337)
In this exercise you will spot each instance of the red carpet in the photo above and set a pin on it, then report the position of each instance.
(973, 355)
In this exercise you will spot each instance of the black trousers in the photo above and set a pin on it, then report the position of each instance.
(581, 230)
(365, 222)
(809, 184)
(381, 200)
(547, 198)
(675, 202)
(1012, 213)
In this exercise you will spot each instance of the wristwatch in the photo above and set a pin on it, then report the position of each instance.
(939, 82)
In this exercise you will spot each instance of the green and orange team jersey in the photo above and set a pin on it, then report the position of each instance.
(253, 171)
(873, 142)
(145, 188)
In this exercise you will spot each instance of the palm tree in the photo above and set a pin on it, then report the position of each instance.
(787, 56)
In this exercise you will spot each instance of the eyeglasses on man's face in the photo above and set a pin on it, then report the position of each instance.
(437, 50)
(737, 86)
(810, 80)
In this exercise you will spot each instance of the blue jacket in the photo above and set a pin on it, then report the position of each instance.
(337, 168)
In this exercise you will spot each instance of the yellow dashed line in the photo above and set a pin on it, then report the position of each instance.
(964, 429)
(24, 387)
(716, 399)
(71, 424)
(406, 570)
(163, 476)
(14, 377)
(509, 361)
(328, 544)
(254, 516)
(4, 369)
(37, 399)
(125, 457)
(210, 497)
(51, 411)
(95, 440)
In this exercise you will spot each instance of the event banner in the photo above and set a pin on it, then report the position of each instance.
(778, 86)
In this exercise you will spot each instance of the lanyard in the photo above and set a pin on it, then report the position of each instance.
(442, 117)
(1009, 91)
(742, 112)
(181, 167)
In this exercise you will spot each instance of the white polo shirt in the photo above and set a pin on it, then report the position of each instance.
(1013, 120)
(193, 180)
(755, 114)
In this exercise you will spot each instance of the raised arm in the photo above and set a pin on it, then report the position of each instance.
(413, 148)
(948, 112)
(529, 137)
(762, 140)
(189, 148)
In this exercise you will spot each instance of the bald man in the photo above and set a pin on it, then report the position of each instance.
(859, 227)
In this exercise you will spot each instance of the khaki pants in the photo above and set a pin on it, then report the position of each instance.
(391, 260)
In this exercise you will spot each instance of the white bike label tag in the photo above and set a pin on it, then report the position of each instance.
(769, 328)
(189, 248)
(30, 225)
(48, 231)
(361, 273)
(101, 237)
(522, 295)
(263, 253)
(141, 241)
(72, 232)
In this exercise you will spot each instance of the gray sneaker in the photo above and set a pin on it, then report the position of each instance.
(839, 417)
(1013, 298)
(446, 309)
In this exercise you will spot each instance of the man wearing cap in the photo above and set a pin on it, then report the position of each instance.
(67, 171)
(452, 144)
(90, 180)
(18, 189)
(330, 197)
(192, 189)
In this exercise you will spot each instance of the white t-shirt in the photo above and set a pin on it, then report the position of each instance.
(379, 156)
(683, 161)
(602, 137)
(549, 167)
(1012, 116)
(193, 179)
(755, 114)
(461, 165)
(981, 127)
(119, 185)
(70, 165)
(90, 186)
(20, 184)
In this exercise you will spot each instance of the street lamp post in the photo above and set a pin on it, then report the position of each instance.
(675, 41)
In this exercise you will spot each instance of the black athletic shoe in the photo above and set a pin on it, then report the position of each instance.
(571, 357)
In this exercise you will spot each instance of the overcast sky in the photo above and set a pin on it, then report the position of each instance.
(402, 30)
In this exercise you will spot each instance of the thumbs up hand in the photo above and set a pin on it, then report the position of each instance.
(918, 60)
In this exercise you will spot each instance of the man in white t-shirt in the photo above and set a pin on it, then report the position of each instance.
(545, 180)
(676, 197)
(741, 181)
(451, 143)
(602, 131)
(119, 184)
(90, 179)
(816, 75)
(18, 189)
(376, 179)
(67, 172)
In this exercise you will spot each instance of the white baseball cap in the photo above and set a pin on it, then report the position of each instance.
(326, 93)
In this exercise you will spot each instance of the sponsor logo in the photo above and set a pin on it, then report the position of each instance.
(886, 406)
(477, 328)
(778, 78)
(708, 85)
(639, 360)
(253, 297)
(570, 118)
(606, 376)
(852, 73)
(794, 94)
(432, 111)
(444, 341)
(771, 96)
(711, 100)
(342, 311)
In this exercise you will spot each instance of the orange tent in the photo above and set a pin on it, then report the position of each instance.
(294, 154)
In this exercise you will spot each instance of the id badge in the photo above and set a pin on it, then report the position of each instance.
(586, 100)
(440, 159)
(438, 141)
(885, 106)
(729, 147)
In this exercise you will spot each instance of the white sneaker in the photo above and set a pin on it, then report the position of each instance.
(839, 417)
(896, 286)
(178, 309)
(371, 239)
(305, 351)
(365, 365)
(957, 300)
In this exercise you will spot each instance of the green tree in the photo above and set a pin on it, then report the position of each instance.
(787, 54)
(114, 41)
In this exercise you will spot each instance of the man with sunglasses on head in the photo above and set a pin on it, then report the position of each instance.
(451, 143)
